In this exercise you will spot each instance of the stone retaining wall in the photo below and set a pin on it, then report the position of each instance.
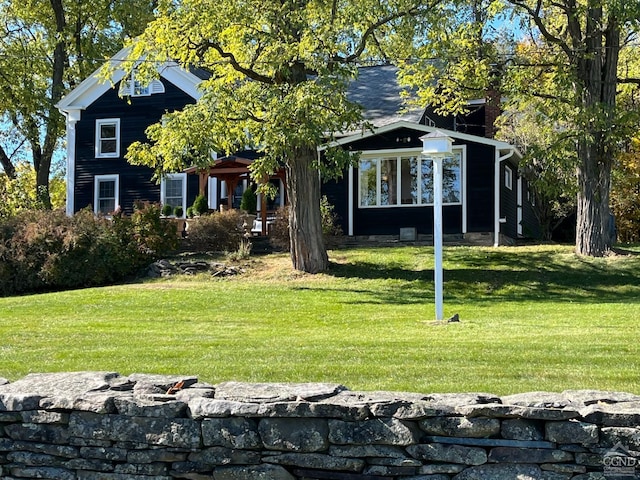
(103, 426)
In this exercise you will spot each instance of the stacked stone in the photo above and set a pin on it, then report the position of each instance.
(103, 426)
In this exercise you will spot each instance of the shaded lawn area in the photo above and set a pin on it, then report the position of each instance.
(532, 318)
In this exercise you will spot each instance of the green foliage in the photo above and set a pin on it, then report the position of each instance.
(20, 194)
(549, 159)
(178, 211)
(249, 202)
(51, 251)
(625, 194)
(330, 220)
(167, 210)
(219, 232)
(280, 72)
(569, 61)
(190, 213)
(200, 205)
(46, 48)
(243, 252)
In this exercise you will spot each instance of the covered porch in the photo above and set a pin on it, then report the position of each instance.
(234, 173)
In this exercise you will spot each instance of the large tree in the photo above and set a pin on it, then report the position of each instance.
(570, 54)
(279, 75)
(46, 47)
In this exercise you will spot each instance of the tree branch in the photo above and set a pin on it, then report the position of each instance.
(534, 14)
(7, 164)
(231, 58)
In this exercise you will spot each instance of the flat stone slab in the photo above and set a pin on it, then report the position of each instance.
(276, 392)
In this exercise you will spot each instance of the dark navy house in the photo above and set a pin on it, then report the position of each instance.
(388, 192)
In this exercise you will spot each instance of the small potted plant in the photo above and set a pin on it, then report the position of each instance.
(178, 212)
(167, 210)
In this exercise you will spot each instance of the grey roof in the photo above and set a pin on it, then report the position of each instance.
(377, 90)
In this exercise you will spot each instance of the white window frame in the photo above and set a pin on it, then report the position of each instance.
(96, 190)
(398, 155)
(130, 87)
(98, 146)
(163, 188)
(508, 177)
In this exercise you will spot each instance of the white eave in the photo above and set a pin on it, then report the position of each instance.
(502, 147)
(94, 86)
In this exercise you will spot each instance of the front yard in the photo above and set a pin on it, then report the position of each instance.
(532, 318)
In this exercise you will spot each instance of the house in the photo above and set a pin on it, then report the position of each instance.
(388, 192)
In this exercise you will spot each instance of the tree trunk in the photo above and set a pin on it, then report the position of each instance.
(308, 253)
(593, 215)
(597, 75)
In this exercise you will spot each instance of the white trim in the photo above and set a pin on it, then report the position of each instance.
(212, 190)
(508, 177)
(405, 153)
(463, 186)
(98, 138)
(497, 185)
(71, 163)
(96, 190)
(519, 216)
(350, 201)
(163, 189)
(423, 128)
(95, 85)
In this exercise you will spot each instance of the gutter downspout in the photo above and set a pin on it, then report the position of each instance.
(496, 201)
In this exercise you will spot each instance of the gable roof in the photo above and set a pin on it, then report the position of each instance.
(464, 137)
(94, 86)
(378, 91)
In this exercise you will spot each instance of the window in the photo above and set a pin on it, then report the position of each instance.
(106, 194)
(108, 138)
(508, 177)
(130, 87)
(408, 180)
(173, 190)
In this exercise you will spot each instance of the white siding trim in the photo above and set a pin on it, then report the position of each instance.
(71, 161)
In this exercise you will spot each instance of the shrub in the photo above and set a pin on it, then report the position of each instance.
(200, 205)
(330, 221)
(279, 230)
(45, 250)
(167, 210)
(189, 212)
(220, 231)
(249, 202)
(178, 211)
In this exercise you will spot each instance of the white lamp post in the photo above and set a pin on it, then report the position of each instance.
(437, 146)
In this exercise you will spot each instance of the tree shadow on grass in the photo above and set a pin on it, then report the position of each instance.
(503, 275)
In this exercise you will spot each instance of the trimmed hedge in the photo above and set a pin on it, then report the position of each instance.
(47, 250)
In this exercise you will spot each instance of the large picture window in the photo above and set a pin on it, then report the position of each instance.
(108, 138)
(408, 180)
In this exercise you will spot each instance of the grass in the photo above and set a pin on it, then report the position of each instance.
(532, 318)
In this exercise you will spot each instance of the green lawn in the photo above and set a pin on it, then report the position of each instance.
(532, 318)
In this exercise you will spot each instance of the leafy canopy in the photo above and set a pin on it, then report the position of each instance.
(279, 74)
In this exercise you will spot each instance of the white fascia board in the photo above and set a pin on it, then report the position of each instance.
(498, 145)
(94, 86)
